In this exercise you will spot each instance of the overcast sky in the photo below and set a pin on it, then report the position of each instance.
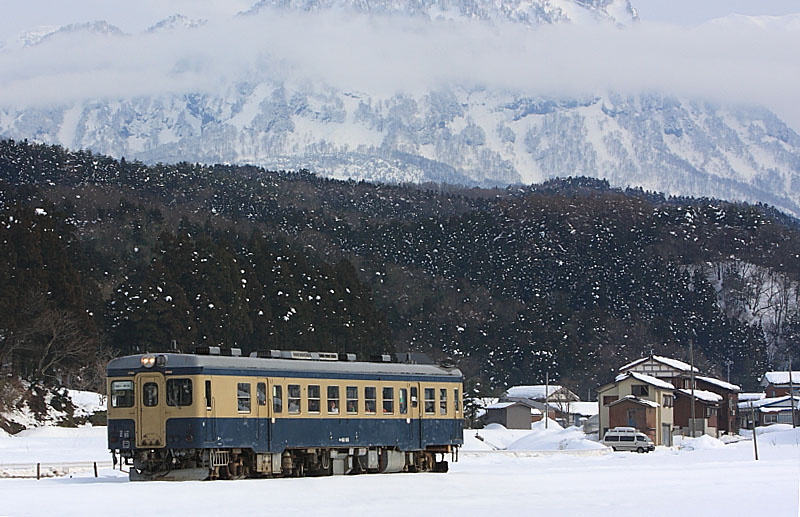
(675, 50)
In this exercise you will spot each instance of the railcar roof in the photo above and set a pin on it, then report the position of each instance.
(212, 362)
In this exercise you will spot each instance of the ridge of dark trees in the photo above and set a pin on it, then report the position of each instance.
(100, 257)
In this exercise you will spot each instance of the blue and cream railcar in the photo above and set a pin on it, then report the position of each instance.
(179, 416)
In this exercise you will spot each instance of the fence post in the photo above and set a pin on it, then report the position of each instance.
(38, 471)
(95, 469)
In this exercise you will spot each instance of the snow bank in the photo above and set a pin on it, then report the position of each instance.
(553, 439)
(700, 443)
(55, 444)
(87, 402)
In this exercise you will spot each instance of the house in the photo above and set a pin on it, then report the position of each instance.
(769, 410)
(706, 412)
(679, 374)
(638, 400)
(727, 421)
(560, 403)
(777, 384)
(511, 415)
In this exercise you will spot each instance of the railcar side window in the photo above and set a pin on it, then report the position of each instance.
(352, 400)
(208, 394)
(122, 394)
(370, 403)
(261, 394)
(430, 400)
(313, 399)
(456, 400)
(388, 400)
(294, 398)
(414, 396)
(402, 401)
(277, 398)
(179, 392)
(333, 400)
(243, 397)
(443, 401)
(150, 394)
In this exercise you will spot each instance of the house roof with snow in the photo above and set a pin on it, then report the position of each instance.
(537, 392)
(503, 405)
(648, 379)
(709, 397)
(745, 397)
(637, 400)
(718, 382)
(672, 363)
(780, 378)
(784, 402)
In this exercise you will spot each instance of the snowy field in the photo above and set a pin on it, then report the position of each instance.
(509, 472)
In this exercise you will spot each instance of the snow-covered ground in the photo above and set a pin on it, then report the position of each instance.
(496, 478)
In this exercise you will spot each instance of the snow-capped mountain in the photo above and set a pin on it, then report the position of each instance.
(461, 133)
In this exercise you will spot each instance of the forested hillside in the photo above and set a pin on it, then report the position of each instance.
(101, 257)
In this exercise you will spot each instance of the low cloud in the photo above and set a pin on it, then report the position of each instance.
(730, 60)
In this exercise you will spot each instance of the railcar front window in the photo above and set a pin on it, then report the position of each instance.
(443, 401)
(122, 394)
(352, 400)
(333, 400)
(388, 400)
(179, 392)
(294, 398)
(277, 399)
(313, 399)
(430, 400)
(243, 397)
(402, 401)
(150, 394)
(261, 394)
(370, 403)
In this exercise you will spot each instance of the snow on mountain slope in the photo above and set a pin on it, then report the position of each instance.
(336, 93)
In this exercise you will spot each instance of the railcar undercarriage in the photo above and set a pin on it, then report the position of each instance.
(202, 464)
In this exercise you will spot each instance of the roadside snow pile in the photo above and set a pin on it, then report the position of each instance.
(783, 434)
(554, 438)
(701, 443)
(551, 439)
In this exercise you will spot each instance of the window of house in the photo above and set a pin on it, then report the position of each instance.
(333, 400)
(430, 400)
(150, 394)
(122, 394)
(668, 401)
(293, 394)
(179, 392)
(277, 398)
(243, 397)
(639, 390)
(770, 418)
(208, 394)
(261, 394)
(370, 396)
(313, 398)
(414, 396)
(608, 399)
(443, 401)
(388, 400)
(711, 411)
(402, 401)
(352, 399)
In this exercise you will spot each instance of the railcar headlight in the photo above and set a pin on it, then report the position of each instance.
(148, 361)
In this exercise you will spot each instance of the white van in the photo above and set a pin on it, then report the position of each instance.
(628, 439)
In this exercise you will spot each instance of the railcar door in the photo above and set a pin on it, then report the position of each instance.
(150, 425)
(417, 414)
(211, 420)
(262, 414)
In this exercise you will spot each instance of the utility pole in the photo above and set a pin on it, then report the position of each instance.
(691, 375)
(755, 441)
(546, 396)
(791, 392)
